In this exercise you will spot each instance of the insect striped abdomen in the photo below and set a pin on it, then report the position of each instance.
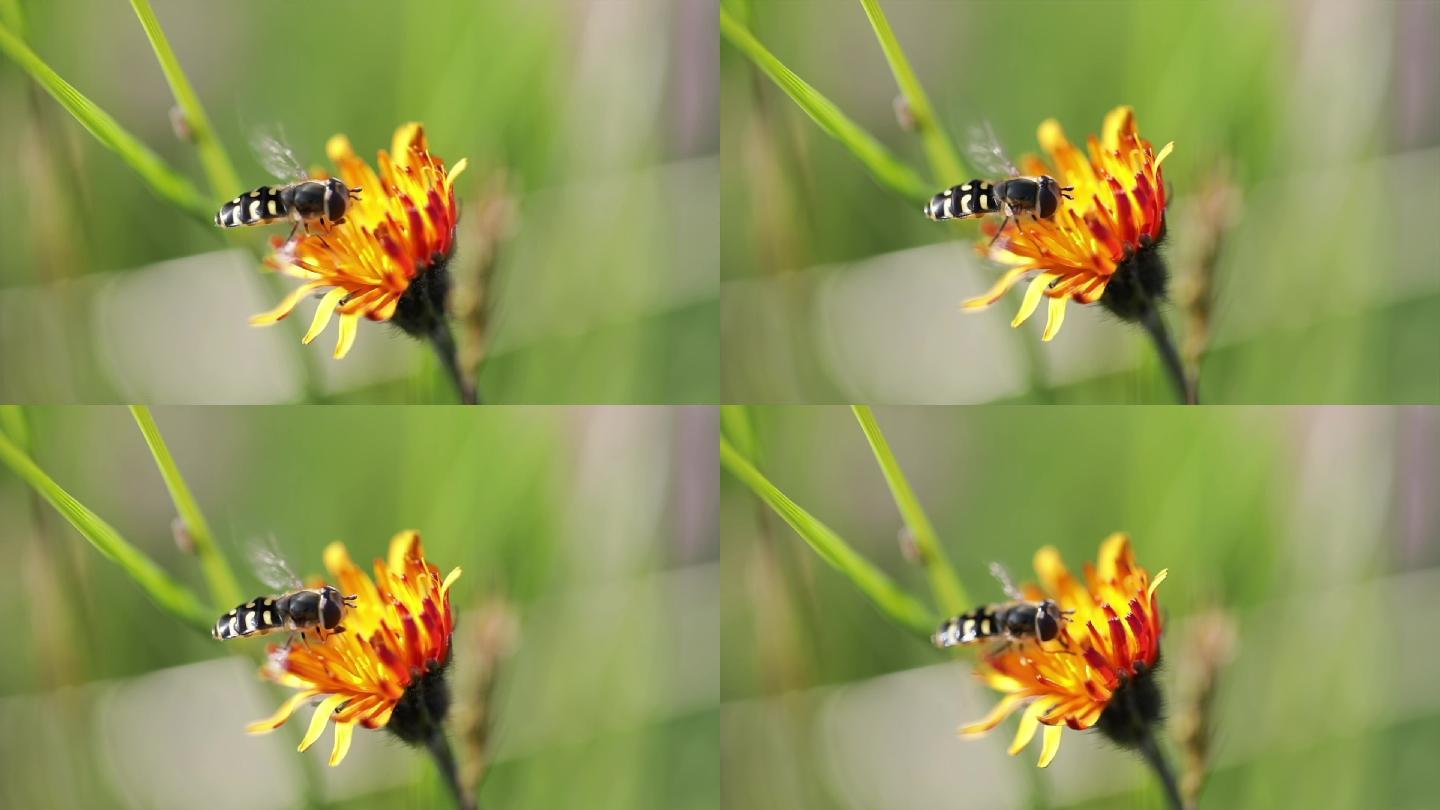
(257, 616)
(968, 628)
(973, 199)
(258, 207)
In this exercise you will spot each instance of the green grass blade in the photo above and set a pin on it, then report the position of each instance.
(949, 593)
(944, 161)
(12, 424)
(224, 182)
(893, 601)
(735, 425)
(224, 589)
(886, 169)
(13, 17)
(170, 595)
(168, 184)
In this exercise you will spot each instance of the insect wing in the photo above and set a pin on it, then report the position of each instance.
(987, 155)
(998, 571)
(277, 157)
(271, 568)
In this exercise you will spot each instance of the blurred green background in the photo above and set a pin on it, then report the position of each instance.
(1307, 158)
(597, 526)
(1314, 532)
(601, 116)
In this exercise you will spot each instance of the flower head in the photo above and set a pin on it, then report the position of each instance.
(386, 261)
(388, 664)
(1099, 669)
(1101, 246)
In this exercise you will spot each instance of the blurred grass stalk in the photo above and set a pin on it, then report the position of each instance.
(168, 594)
(167, 183)
(885, 168)
(218, 168)
(944, 161)
(224, 588)
(892, 600)
(944, 583)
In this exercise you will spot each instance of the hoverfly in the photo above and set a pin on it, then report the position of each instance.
(1038, 195)
(297, 609)
(302, 199)
(1015, 621)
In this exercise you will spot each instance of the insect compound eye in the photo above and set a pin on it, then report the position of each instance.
(1047, 622)
(330, 608)
(336, 200)
(1049, 197)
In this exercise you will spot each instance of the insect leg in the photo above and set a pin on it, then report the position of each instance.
(1003, 223)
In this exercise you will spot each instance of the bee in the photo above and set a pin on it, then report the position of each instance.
(1037, 195)
(302, 200)
(297, 610)
(1015, 621)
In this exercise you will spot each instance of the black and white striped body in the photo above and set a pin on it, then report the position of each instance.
(305, 201)
(1038, 195)
(1013, 621)
(318, 610)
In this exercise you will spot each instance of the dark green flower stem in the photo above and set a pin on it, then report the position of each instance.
(444, 342)
(1155, 758)
(439, 747)
(1169, 356)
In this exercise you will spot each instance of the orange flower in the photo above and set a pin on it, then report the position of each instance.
(1100, 243)
(1104, 655)
(396, 641)
(389, 254)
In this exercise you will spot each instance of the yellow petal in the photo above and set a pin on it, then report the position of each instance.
(1032, 297)
(1051, 745)
(322, 314)
(338, 148)
(279, 312)
(348, 326)
(1164, 153)
(1054, 318)
(282, 714)
(1002, 710)
(343, 733)
(449, 580)
(318, 720)
(1116, 120)
(456, 170)
(1159, 578)
(405, 135)
(998, 290)
(403, 546)
(1029, 721)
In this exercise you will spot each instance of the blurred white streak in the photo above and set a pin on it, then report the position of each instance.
(171, 333)
(175, 739)
(1341, 79)
(1329, 545)
(621, 475)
